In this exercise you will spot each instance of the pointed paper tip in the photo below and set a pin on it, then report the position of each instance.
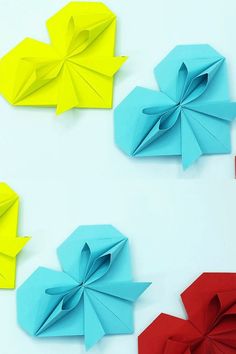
(91, 343)
(142, 288)
(26, 239)
(123, 59)
(60, 110)
(117, 64)
(146, 285)
(22, 241)
(186, 164)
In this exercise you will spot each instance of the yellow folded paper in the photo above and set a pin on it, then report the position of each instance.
(10, 244)
(75, 70)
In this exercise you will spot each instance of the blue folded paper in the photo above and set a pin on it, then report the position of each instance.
(191, 114)
(92, 296)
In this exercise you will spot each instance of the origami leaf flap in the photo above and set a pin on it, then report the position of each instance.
(210, 303)
(75, 70)
(226, 307)
(199, 83)
(67, 91)
(71, 299)
(123, 290)
(92, 296)
(191, 149)
(91, 317)
(10, 244)
(193, 78)
(101, 265)
(165, 122)
(223, 110)
(12, 248)
(35, 75)
(101, 65)
(196, 121)
(113, 314)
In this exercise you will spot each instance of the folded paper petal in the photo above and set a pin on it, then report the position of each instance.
(203, 312)
(93, 329)
(167, 335)
(123, 290)
(75, 70)
(210, 303)
(10, 244)
(92, 296)
(189, 117)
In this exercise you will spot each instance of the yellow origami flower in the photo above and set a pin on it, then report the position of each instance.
(75, 70)
(10, 244)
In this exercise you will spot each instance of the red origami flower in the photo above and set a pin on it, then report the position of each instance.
(210, 303)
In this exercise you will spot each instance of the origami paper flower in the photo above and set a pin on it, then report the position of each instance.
(75, 70)
(10, 244)
(210, 303)
(92, 296)
(191, 114)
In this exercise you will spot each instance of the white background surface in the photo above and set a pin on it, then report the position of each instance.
(68, 171)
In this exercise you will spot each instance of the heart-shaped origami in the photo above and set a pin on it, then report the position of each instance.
(191, 114)
(75, 70)
(210, 303)
(91, 297)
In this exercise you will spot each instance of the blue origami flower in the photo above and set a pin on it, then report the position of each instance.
(92, 296)
(191, 114)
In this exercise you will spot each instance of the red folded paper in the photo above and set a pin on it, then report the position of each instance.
(210, 303)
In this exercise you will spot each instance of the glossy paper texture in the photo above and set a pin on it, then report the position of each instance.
(92, 296)
(210, 303)
(190, 116)
(75, 70)
(10, 243)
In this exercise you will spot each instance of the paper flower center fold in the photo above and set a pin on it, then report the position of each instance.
(192, 84)
(92, 268)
